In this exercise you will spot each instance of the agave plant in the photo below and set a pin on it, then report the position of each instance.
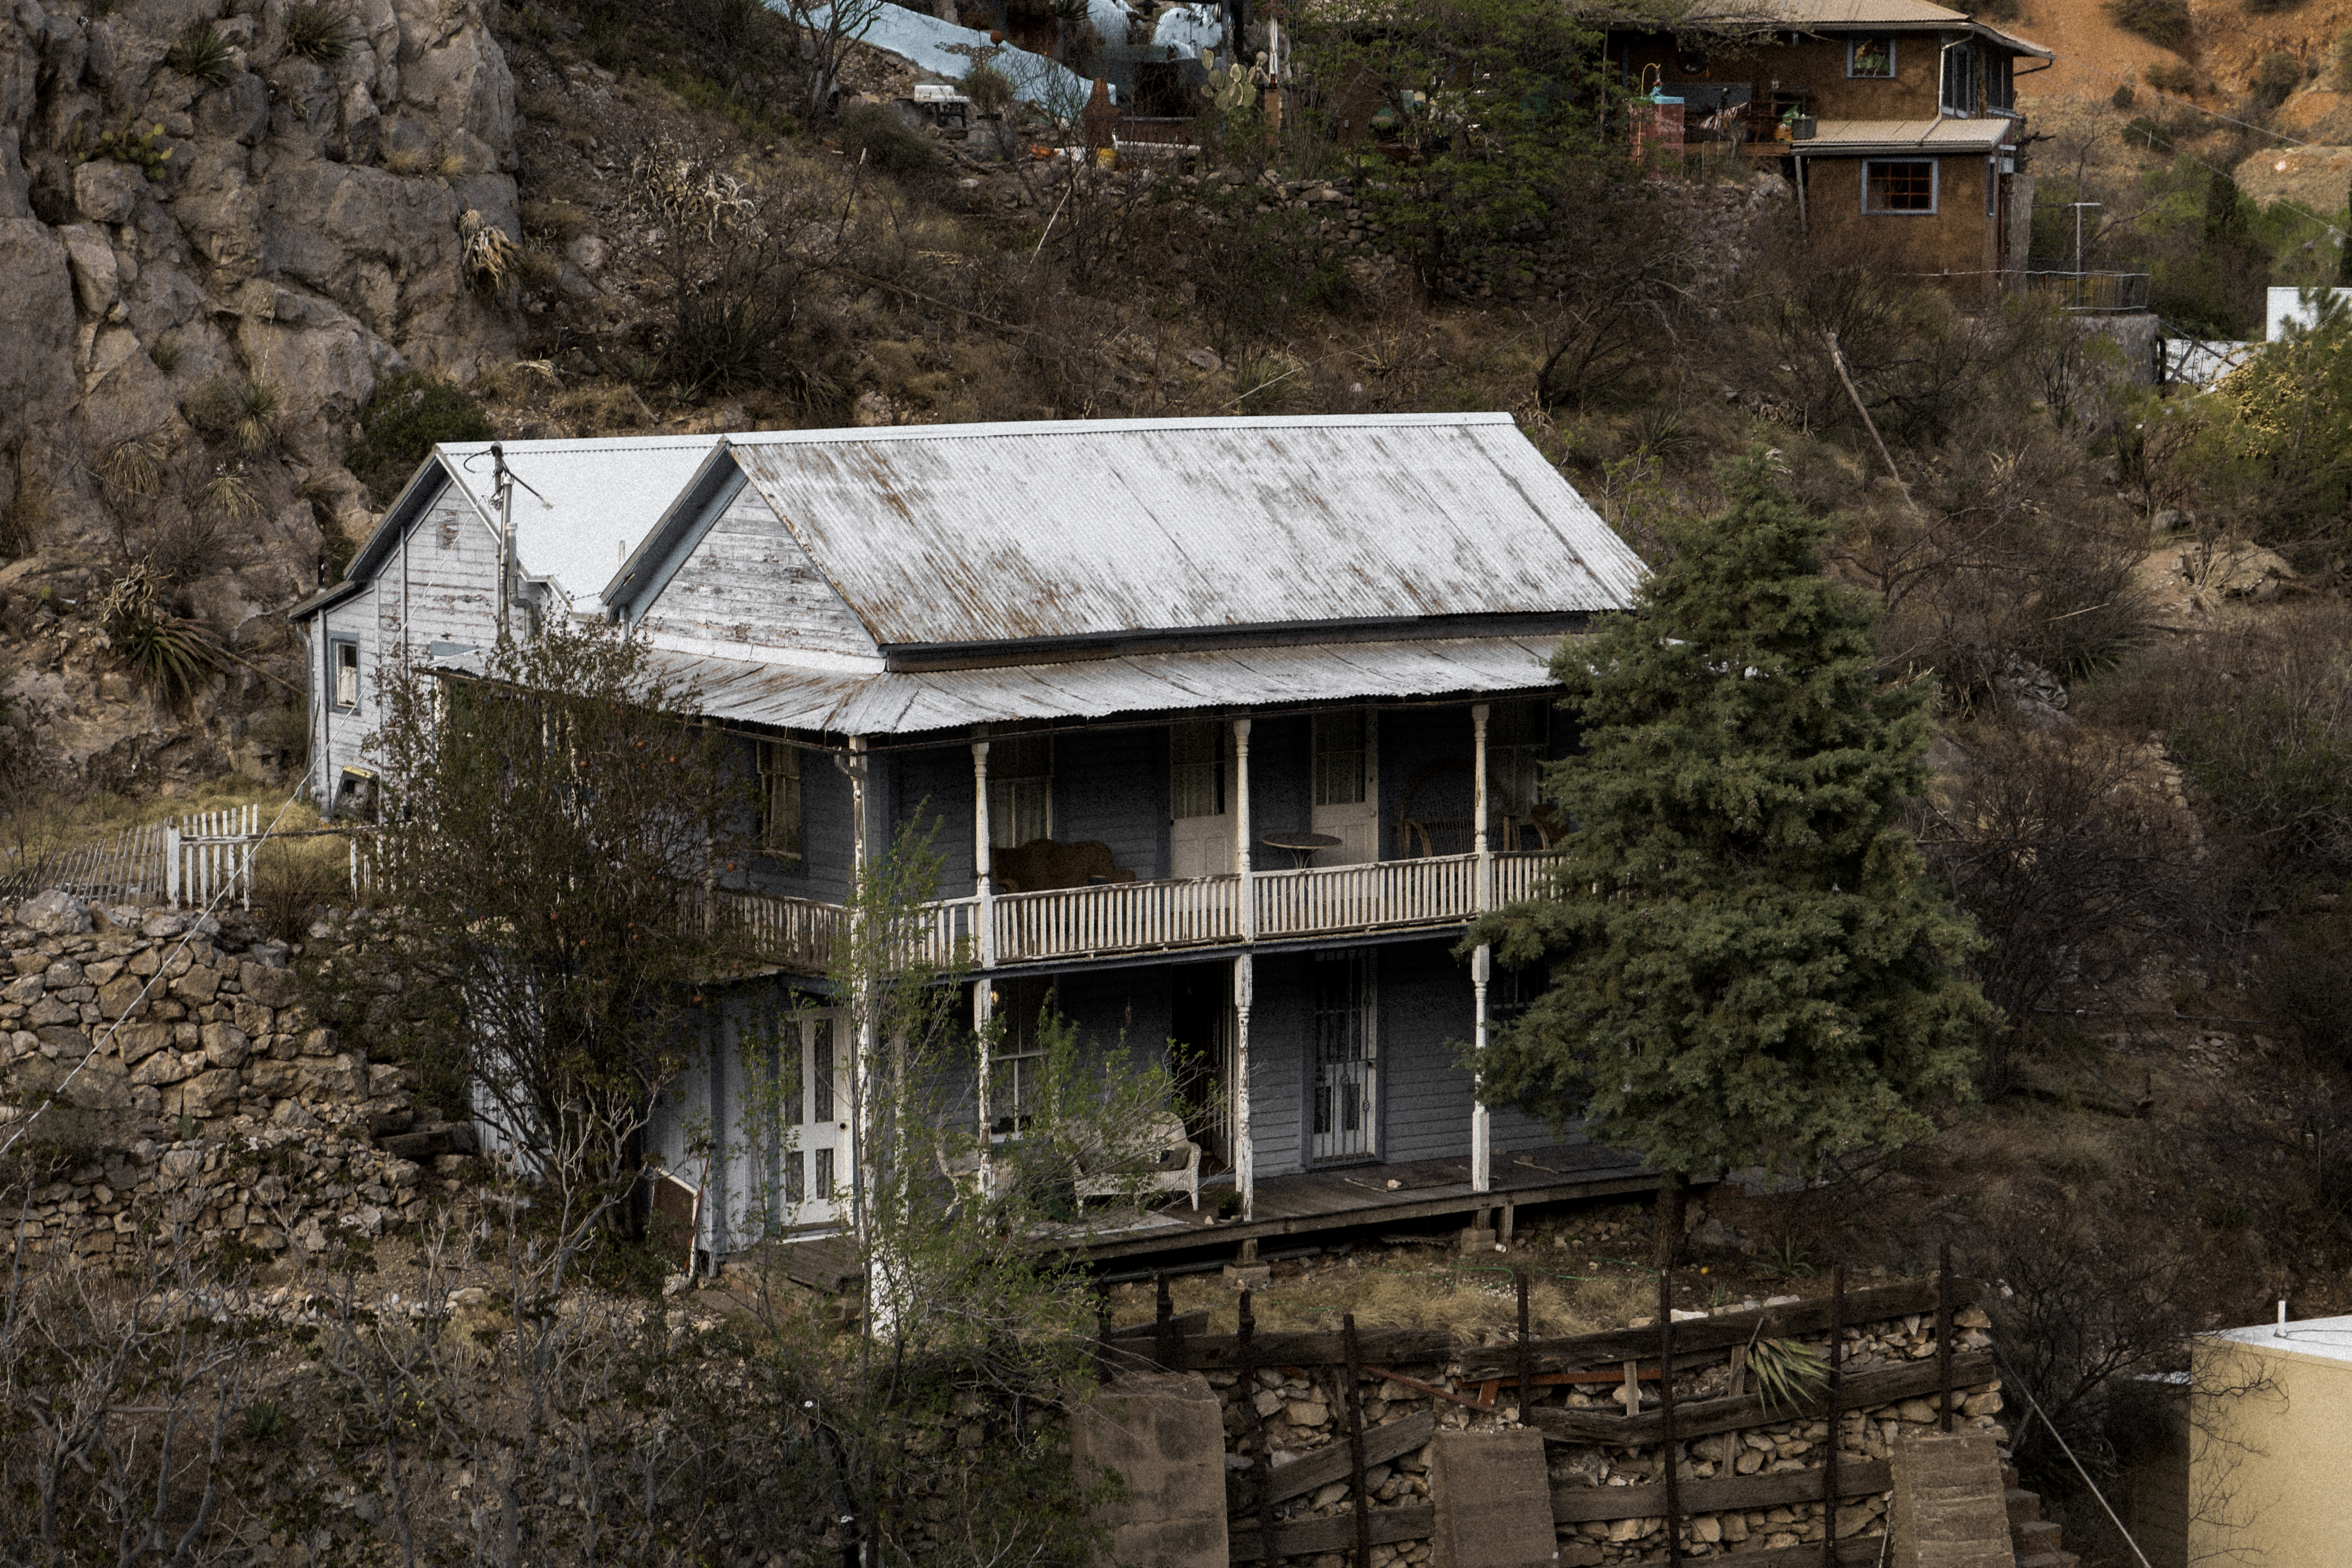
(318, 30)
(164, 650)
(202, 55)
(1787, 1374)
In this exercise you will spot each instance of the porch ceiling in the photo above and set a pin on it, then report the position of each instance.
(906, 702)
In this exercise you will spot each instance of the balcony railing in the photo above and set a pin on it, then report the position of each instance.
(1128, 918)
(2093, 291)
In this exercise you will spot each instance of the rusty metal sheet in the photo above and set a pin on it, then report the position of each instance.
(1850, 136)
(980, 533)
(915, 702)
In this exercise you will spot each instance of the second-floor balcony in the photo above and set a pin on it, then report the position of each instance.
(1121, 919)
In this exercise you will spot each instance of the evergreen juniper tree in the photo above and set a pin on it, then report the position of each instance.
(1747, 962)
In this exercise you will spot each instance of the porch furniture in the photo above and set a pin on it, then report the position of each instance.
(1041, 865)
(1302, 846)
(1158, 1157)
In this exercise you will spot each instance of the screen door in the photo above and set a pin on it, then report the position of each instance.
(1344, 1105)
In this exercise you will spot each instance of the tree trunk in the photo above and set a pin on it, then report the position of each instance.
(1673, 1194)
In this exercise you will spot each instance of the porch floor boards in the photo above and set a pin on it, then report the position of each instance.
(1347, 1196)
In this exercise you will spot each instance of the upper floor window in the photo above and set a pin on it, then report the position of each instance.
(1339, 758)
(780, 800)
(1907, 186)
(2000, 83)
(1518, 736)
(1196, 772)
(1961, 78)
(1871, 58)
(1020, 790)
(347, 673)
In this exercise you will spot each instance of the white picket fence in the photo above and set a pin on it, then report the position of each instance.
(185, 864)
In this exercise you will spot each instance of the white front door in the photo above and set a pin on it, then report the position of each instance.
(1346, 785)
(813, 1156)
(1200, 799)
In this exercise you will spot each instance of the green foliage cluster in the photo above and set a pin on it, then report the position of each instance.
(1747, 962)
(409, 415)
(236, 413)
(2171, 76)
(2282, 450)
(1491, 121)
(875, 133)
(204, 54)
(166, 652)
(129, 144)
(2276, 75)
(2161, 22)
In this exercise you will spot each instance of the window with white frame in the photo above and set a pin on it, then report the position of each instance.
(1871, 58)
(1020, 790)
(1904, 186)
(346, 673)
(1196, 770)
(1339, 758)
(780, 800)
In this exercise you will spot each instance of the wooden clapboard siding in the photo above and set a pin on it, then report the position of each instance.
(748, 581)
(1425, 1006)
(1857, 1478)
(930, 791)
(1736, 1413)
(1282, 1021)
(1111, 785)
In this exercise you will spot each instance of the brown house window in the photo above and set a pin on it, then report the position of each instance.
(1871, 58)
(1898, 187)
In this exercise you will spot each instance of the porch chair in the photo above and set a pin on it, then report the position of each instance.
(1173, 1161)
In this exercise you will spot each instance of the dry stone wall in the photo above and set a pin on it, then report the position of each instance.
(205, 1095)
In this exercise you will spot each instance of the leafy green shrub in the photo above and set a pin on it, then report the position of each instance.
(2278, 74)
(318, 30)
(202, 55)
(886, 141)
(2161, 22)
(2123, 96)
(128, 144)
(2172, 76)
(409, 416)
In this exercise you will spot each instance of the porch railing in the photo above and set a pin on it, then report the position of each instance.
(1119, 917)
(2092, 292)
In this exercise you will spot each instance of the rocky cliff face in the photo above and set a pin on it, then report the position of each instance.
(211, 255)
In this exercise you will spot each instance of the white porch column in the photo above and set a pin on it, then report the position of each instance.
(1247, 891)
(1482, 1130)
(982, 858)
(1244, 1152)
(861, 983)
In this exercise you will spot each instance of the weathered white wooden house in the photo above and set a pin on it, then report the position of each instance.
(1227, 728)
(425, 583)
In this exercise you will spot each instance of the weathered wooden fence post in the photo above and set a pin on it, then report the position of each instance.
(1356, 1442)
(1837, 1388)
(1261, 1458)
(1944, 1340)
(1666, 1412)
(1527, 1355)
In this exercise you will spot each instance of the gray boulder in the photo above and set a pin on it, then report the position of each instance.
(54, 913)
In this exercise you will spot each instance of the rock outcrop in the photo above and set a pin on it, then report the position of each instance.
(192, 205)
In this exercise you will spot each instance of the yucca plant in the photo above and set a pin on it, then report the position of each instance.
(165, 651)
(1787, 1374)
(318, 30)
(129, 471)
(202, 55)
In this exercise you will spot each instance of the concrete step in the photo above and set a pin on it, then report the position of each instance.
(2023, 1506)
(2035, 1536)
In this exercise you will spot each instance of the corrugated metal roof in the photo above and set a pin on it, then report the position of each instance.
(597, 497)
(945, 50)
(905, 703)
(979, 533)
(1931, 135)
(1831, 15)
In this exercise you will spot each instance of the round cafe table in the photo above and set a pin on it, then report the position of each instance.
(1302, 846)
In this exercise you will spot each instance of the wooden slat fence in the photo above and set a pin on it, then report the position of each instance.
(1688, 1344)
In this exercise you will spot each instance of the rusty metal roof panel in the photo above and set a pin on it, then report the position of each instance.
(786, 697)
(955, 536)
(1851, 136)
(595, 500)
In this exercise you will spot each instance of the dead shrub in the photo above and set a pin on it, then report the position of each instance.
(294, 880)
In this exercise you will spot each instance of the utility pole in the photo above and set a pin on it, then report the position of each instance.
(503, 491)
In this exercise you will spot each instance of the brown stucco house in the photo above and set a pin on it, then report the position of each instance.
(1896, 121)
